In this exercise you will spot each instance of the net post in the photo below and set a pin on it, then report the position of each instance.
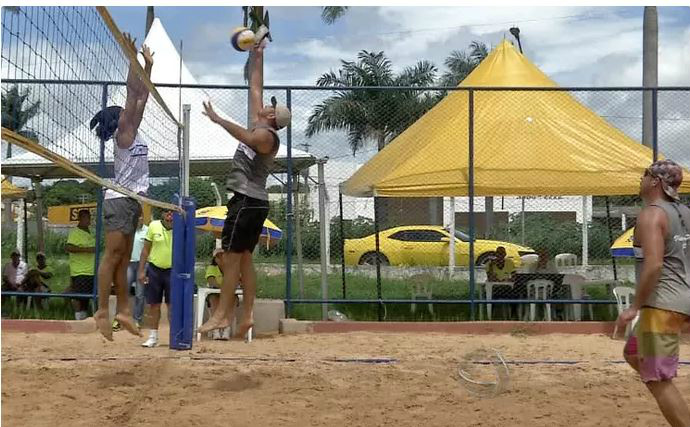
(184, 161)
(182, 276)
(99, 203)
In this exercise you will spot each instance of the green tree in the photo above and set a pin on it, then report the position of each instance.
(17, 111)
(69, 192)
(372, 114)
(199, 188)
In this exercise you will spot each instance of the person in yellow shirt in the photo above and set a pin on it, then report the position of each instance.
(214, 279)
(500, 269)
(81, 247)
(157, 252)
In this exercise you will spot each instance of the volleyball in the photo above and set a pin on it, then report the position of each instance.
(242, 39)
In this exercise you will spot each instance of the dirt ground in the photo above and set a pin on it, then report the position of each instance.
(82, 380)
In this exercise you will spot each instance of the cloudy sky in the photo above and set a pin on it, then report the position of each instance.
(576, 46)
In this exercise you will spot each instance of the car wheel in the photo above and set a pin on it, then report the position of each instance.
(370, 259)
(484, 258)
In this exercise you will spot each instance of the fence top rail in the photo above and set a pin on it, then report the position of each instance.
(448, 301)
(331, 88)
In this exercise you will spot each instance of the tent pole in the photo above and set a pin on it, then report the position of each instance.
(585, 234)
(608, 226)
(471, 196)
(451, 248)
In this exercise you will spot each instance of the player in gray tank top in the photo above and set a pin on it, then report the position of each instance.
(248, 208)
(662, 296)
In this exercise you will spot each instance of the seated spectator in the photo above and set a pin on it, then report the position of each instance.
(14, 273)
(214, 279)
(37, 279)
(500, 268)
(544, 265)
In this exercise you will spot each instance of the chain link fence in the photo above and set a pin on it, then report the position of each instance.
(409, 256)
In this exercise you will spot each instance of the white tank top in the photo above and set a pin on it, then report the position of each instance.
(131, 167)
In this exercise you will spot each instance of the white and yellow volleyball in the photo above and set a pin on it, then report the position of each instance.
(242, 39)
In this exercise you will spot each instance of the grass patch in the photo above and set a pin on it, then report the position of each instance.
(357, 287)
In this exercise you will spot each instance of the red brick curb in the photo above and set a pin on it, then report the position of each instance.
(50, 326)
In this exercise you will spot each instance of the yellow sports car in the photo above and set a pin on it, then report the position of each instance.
(425, 245)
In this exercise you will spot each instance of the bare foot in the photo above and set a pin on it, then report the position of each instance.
(103, 324)
(128, 323)
(244, 327)
(214, 323)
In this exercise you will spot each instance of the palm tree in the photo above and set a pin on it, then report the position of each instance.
(377, 115)
(372, 114)
(330, 14)
(461, 63)
(17, 111)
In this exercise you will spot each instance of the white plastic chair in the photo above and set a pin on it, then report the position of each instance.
(624, 296)
(422, 290)
(565, 260)
(529, 263)
(201, 295)
(576, 283)
(539, 289)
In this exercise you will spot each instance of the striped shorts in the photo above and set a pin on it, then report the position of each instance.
(656, 343)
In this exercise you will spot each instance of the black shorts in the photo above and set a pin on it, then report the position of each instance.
(158, 286)
(81, 285)
(121, 214)
(243, 225)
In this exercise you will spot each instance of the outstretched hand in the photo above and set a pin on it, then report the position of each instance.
(209, 112)
(148, 55)
(130, 42)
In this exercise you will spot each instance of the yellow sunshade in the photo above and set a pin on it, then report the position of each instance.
(212, 219)
(11, 191)
(623, 246)
(540, 143)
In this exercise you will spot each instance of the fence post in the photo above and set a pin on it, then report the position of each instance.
(342, 241)
(379, 293)
(471, 197)
(655, 123)
(290, 214)
(324, 238)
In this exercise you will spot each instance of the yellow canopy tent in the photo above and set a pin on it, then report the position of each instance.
(537, 143)
(11, 191)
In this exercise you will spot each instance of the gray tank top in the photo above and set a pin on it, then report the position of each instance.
(250, 169)
(673, 290)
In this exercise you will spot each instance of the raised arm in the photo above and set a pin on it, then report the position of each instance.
(256, 81)
(137, 96)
